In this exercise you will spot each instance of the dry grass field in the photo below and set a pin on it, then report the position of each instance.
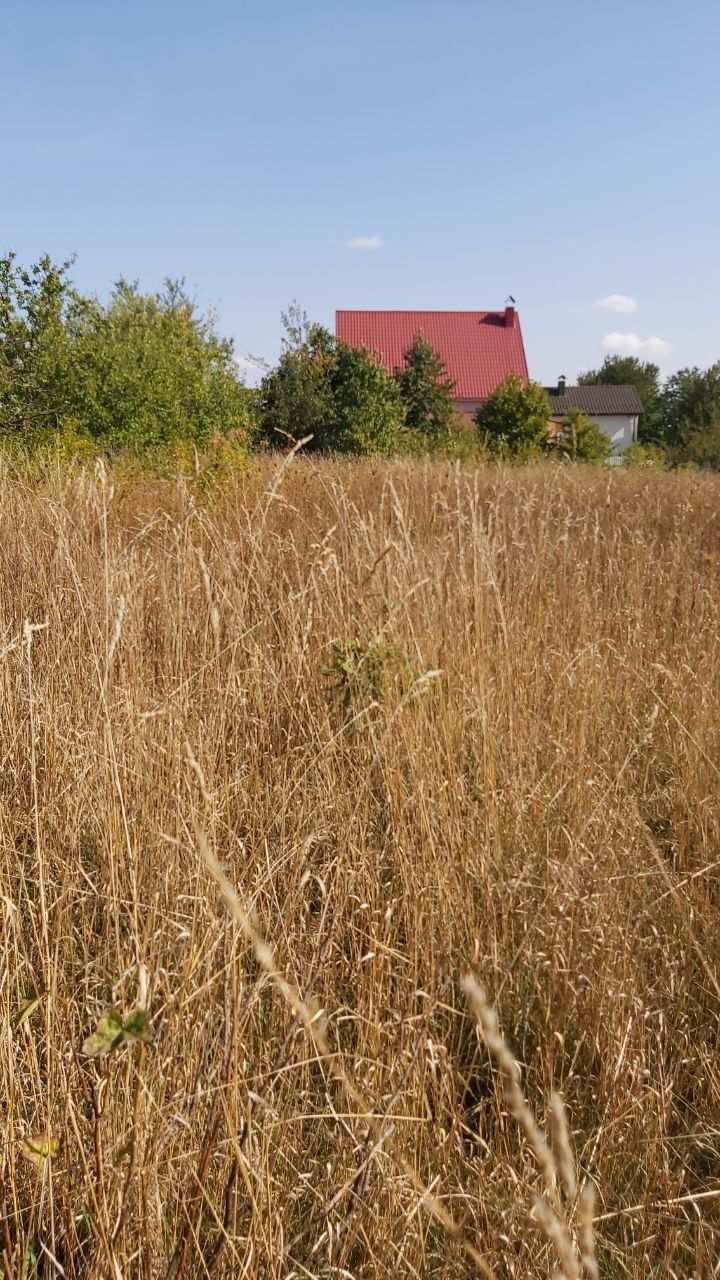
(287, 755)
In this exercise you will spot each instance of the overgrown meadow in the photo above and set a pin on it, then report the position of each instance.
(288, 753)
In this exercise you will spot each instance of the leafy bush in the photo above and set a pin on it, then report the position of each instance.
(582, 439)
(644, 455)
(325, 389)
(148, 370)
(143, 370)
(368, 410)
(374, 673)
(513, 421)
(461, 443)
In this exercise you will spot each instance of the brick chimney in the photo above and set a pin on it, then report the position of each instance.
(509, 317)
(561, 385)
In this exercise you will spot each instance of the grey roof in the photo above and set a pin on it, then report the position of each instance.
(597, 399)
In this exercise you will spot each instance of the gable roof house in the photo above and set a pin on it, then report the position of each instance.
(616, 409)
(480, 348)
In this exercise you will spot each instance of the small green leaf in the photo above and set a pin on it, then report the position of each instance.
(112, 1031)
(137, 1026)
(107, 1035)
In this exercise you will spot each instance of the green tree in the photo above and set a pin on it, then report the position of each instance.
(144, 369)
(34, 346)
(328, 390)
(691, 404)
(642, 374)
(702, 447)
(295, 397)
(428, 393)
(582, 438)
(148, 369)
(368, 410)
(514, 420)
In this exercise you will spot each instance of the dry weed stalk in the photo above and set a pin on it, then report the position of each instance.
(437, 714)
(313, 1020)
(557, 1166)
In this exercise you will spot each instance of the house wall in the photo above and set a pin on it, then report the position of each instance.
(621, 428)
(468, 407)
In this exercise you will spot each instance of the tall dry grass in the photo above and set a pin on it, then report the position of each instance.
(417, 723)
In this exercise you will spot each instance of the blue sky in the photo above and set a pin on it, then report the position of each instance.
(561, 151)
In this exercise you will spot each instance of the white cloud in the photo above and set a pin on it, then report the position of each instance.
(364, 242)
(631, 344)
(616, 302)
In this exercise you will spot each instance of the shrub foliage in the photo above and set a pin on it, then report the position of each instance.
(139, 370)
(326, 390)
(514, 420)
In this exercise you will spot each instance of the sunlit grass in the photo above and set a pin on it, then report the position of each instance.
(428, 722)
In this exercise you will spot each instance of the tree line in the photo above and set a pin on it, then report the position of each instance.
(147, 371)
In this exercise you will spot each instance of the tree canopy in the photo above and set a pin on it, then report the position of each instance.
(35, 354)
(427, 391)
(691, 403)
(514, 420)
(148, 369)
(142, 369)
(330, 391)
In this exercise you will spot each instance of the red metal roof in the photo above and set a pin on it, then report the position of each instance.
(480, 348)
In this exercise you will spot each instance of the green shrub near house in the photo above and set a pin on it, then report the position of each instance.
(513, 421)
(334, 396)
(428, 394)
(645, 455)
(582, 439)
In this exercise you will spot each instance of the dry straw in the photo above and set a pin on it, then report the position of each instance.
(436, 717)
(557, 1166)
